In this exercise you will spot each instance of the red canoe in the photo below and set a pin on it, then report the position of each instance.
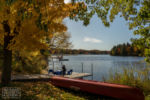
(122, 92)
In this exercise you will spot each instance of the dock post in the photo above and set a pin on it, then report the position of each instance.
(82, 67)
(53, 64)
(92, 70)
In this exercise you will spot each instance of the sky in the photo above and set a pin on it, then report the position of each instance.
(96, 35)
(67, 1)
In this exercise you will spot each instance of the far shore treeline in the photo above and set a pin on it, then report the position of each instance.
(76, 51)
(126, 49)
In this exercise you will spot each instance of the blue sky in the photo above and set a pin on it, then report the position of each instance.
(96, 35)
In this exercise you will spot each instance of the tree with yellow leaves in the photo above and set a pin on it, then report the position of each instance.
(26, 25)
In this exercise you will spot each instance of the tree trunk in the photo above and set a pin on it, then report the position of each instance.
(6, 72)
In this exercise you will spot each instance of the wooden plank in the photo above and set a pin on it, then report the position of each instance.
(45, 77)
(34, 77)
(77, 75)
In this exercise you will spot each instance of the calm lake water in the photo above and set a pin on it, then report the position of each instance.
(102, 64)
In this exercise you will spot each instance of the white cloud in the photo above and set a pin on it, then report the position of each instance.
(92, 40)
(67, 1)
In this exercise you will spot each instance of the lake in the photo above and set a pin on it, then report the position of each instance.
(102, 64)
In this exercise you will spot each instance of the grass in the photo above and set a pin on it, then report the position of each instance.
(46, 91)
(135, 77)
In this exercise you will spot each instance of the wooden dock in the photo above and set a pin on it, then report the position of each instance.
(78, 75)
(45, 77)
(33, 77)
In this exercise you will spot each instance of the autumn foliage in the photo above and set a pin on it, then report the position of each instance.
(28, 26)
(126, 50)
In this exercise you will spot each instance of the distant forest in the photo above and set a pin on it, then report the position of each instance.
(126, 50)
(78, 51)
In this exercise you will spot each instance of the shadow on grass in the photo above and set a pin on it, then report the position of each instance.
(86, 95)
(46, 91)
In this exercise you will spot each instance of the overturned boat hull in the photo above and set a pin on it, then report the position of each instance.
(122, 92)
